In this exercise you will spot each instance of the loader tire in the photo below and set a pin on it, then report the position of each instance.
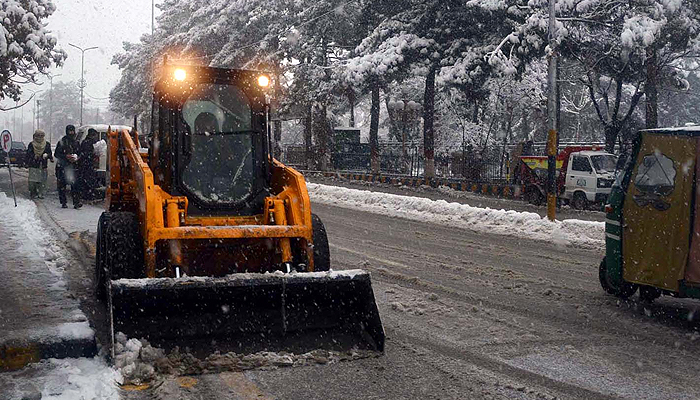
(100, 283)
(322, 252)
(124, 247)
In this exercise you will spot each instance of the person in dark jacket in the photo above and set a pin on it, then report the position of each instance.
(67, 157)
(87, 176)
(36, 159)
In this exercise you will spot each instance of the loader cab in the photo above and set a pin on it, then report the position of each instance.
(209, 139)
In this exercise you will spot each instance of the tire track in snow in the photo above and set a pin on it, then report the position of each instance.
(562, 323)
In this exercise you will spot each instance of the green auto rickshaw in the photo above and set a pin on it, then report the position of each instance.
(652, 224)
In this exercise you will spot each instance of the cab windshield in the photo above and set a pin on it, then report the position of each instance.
(604, 163)
(218, 146)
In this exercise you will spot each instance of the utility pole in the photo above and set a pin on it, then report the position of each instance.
(153, 16)
(51, 107)
(82, 84)
(552, 116)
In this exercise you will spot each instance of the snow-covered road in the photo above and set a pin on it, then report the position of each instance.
(473, 307)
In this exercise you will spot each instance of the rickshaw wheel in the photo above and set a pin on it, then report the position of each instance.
(603, 277)
(648, 294)
(622, 291)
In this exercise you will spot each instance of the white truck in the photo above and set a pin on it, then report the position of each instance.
(589, 178)
(585, 175)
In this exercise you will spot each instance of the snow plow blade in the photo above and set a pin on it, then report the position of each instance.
(314, 309)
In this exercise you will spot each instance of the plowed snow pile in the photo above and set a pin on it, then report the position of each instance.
(572, 232)
(139, 362)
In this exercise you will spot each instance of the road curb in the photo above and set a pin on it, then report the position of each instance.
(17, 354)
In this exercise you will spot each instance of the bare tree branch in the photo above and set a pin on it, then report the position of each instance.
(18, 106)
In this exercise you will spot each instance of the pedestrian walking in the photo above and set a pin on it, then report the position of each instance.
(67, 157)
(87, 174)
(36, 160)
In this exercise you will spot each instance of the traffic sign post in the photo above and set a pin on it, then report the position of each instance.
(6, 144)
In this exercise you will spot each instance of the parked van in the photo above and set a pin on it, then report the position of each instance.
(102, 131)
(589, 178)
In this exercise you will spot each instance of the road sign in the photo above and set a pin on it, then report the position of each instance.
(6, 144)
(6, 140)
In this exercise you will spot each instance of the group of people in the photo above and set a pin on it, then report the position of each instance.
(75, 166)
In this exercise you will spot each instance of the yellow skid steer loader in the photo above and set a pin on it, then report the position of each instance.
(207, 235)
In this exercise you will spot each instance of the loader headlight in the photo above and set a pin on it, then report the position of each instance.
(263, 81)
(180, 74)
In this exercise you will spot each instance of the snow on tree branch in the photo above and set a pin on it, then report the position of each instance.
(26, 47)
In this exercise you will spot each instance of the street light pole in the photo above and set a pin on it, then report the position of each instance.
(51, 107)
(552, 116)
(82, 84)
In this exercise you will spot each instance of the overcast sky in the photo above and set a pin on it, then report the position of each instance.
(103, 23)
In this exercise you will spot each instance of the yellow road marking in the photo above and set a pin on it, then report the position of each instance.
(186, 381)
(134, 388)
(244, 387)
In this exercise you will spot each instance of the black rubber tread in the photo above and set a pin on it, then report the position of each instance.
(579, 201)
(534, 197)
(99, 283)
(124, 247)
(648, 294)
(322, 251)
(603, 277)
(626, 290)
(622, 291)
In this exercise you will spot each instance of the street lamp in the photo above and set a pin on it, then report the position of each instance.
(51, 106)
(82, 82)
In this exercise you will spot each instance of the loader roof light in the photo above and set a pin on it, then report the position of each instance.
(180, 74)
(263, 81)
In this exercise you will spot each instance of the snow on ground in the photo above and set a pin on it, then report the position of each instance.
(504, 222)
(49, 314)
(73, 220)
(67, 379)
(140, 363)
(58, 316)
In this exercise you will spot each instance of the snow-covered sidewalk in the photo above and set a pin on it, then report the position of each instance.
(39, 318)
(504, 222)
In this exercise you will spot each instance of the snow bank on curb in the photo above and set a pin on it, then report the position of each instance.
(504, 222)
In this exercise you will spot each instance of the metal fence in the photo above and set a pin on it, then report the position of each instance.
(485, 165)
(489, 165)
